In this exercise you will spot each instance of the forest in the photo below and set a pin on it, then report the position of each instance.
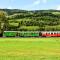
(36, 20)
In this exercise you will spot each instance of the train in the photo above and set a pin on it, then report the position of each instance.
(31, 34)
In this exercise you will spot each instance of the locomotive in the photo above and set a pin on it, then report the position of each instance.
(31, 34)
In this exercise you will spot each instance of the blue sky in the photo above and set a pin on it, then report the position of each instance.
(30, 4)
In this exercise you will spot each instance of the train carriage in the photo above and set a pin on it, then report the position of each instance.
(50, 34)
(28, 34)
(10, 34)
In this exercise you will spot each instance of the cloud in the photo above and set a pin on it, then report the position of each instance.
(33, 4)
(37, 2)
(9, 7)
(44, 1)
(58, 7)
(10, 0)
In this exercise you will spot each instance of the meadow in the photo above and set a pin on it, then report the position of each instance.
(30, 48)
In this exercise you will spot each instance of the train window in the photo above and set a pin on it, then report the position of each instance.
(46, 33)
(51, 33)
(54, 33)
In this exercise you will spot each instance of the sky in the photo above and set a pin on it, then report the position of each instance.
(30, 4)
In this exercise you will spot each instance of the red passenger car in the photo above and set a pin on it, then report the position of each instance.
(51, 34)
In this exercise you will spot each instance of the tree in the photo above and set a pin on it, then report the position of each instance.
(3, 19)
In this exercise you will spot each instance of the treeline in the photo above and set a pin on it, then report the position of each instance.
(40, 19)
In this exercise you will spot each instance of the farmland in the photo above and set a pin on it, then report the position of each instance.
(30, 48)
(23, 20)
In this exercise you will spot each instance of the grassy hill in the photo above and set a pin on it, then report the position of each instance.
(39, 18)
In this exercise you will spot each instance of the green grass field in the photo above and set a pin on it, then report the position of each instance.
(29, 48)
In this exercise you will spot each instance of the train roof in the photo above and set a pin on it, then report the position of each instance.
(31, 31)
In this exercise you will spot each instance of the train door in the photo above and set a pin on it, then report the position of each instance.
(1, 35)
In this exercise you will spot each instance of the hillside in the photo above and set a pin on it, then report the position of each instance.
(37, 20)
